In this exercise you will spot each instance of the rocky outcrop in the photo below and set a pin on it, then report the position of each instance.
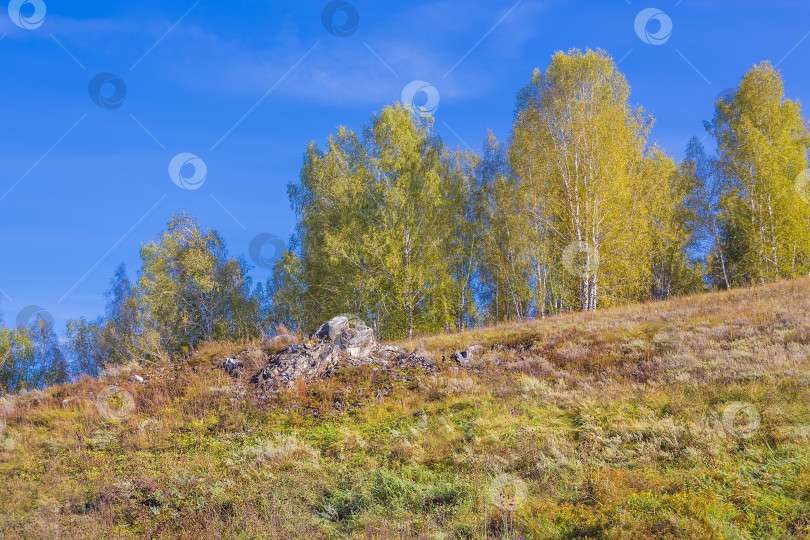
(334, 326)
(335, 345)
(349, 334)
(357, 342)
(231, 366)
(465, 357)
(304, 361)
(339, 343)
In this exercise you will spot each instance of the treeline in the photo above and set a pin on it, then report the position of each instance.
(188, 290)
(578, 209)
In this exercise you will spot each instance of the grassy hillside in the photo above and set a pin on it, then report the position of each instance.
(684, 419)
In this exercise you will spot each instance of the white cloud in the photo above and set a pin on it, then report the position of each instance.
(417, 42)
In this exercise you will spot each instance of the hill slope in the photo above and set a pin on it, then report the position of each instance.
(683, 419)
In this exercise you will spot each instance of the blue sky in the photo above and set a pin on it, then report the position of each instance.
(245, 86)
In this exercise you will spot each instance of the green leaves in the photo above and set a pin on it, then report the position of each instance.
(16, 359)
(762, 141)
(379, 218)
(190, 290)
(588, 179)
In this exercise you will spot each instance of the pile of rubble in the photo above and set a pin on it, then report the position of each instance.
(337, 344)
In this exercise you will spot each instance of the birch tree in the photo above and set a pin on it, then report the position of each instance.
(762, 146)
(506, 259)
(579, 149)
(383, 225)
(191, 290)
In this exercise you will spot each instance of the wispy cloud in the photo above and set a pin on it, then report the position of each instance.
(422, 42)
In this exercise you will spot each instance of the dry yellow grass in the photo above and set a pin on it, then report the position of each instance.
(680, 419)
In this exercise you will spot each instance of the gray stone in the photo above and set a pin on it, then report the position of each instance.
(231, 366)
(352, 347)
(358, 342)
(136, 378)
(332, 328)
(465, 357)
